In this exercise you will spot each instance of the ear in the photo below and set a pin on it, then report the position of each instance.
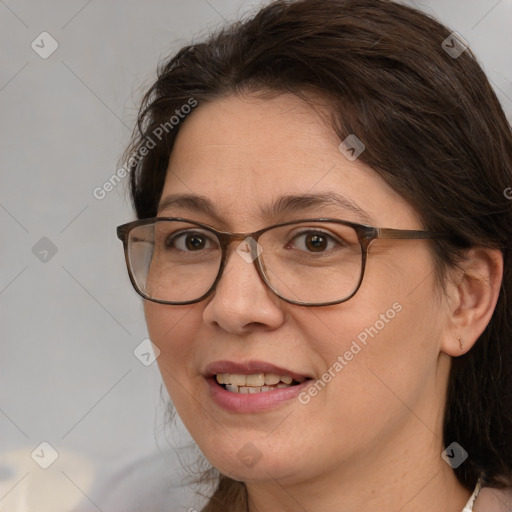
(473, 291)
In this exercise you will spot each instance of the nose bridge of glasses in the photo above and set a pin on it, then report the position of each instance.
(226, 238)
(245, 245)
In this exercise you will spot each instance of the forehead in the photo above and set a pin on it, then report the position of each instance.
(254, 134)
(243, 153)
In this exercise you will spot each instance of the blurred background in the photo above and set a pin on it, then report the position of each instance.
(82, 409)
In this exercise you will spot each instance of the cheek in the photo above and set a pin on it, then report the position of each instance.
(376, 347)
(172, 331)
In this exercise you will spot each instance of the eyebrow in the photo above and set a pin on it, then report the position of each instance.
(283, 205)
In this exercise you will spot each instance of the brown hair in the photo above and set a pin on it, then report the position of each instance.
(433, 129)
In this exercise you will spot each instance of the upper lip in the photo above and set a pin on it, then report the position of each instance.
(250, 368)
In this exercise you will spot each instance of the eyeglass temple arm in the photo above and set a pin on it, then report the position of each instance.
(406, 234)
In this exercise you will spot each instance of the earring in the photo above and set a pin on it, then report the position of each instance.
(460, 343)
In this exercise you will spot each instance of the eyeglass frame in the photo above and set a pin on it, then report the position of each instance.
(365, 234)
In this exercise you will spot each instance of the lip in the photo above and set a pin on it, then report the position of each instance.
(251, 367)
(252, 402)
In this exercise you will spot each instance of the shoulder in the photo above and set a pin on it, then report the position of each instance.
(493, 500)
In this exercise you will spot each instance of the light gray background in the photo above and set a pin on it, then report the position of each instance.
(69, 325)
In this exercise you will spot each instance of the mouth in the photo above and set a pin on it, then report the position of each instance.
(256, 382)
(254, 385)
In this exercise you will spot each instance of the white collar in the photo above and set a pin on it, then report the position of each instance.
(469, 505)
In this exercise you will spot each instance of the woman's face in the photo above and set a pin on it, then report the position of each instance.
(377, 355)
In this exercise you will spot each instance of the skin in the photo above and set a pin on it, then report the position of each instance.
(372, 439)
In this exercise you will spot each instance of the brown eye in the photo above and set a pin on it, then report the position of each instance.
(316, 242)
(194, 242)
(312, 242)
(191, 241)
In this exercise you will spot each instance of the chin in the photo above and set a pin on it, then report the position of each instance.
(250, 463)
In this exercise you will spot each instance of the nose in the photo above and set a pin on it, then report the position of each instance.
(241, 300)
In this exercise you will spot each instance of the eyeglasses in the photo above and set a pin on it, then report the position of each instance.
(309, 262)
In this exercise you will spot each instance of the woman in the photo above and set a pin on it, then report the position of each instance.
(318, 361)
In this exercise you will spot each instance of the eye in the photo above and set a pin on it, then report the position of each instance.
(190, 241)
(313, 241)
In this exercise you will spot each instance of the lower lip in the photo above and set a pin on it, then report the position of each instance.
(253, 402)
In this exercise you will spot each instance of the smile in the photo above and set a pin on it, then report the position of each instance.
(255, 383)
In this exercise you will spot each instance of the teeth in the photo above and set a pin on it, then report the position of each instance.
(248, 390)
(236, 380)
(255, 380)
(271, 379)
(255, 383)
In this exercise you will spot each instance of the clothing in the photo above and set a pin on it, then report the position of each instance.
(469, 505)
